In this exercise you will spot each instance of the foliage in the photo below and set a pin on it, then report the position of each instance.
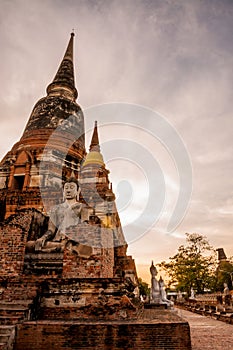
(224, 275)
(193, 266)
(143, 287)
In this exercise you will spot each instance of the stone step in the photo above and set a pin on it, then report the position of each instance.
(11, 312)
(10, 320)
(4, 338)
(13, 307)
(6, 329)
(15, 304)
(7, 334)
(14, 312)
(6, 313)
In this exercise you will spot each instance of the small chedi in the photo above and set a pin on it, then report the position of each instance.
(66, 281)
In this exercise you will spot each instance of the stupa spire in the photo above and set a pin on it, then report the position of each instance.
(95, 146)
(94, 157)
(64, 82)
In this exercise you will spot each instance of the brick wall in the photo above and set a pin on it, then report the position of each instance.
(104, 336)
(12, 248)
(93, 298)
(13, 238)
(98, 264)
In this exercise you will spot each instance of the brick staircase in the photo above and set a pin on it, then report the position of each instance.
(11, 313)
(14, 312)
(7, 337)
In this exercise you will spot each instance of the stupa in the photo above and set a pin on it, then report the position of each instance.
(66, 281)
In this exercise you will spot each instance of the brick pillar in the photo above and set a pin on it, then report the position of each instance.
(11, 179)
(27, 175)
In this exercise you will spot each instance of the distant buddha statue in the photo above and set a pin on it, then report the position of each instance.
(179, 296)
(226, 290)
(155, 290)
(163, 293)
(227, 295)
(192, 296)
(62, 216)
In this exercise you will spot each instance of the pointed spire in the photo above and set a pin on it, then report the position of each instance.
(95, 146)
(63, 83)
(69, 51)
(94, 157)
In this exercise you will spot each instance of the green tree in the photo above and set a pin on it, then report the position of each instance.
(193, 266)
(224, 274)
(143, 287)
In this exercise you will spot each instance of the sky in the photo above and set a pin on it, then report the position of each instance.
(172, 58)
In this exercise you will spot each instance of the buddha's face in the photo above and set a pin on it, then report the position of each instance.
(70, 190)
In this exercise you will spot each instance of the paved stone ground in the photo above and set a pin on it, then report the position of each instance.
(207, 333)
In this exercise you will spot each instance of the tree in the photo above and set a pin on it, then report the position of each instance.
(193, 266)
(224, 274)
(143, 287)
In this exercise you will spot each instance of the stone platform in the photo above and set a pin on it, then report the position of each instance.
(155, 329)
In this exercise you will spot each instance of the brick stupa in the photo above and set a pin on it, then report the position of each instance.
(71, 298)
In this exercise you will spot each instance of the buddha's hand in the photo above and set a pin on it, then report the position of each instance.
(40, 244)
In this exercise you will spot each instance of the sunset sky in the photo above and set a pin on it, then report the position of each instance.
(174, 58)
